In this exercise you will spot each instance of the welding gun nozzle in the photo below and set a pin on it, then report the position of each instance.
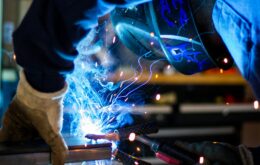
(109, 136)
(94, 136)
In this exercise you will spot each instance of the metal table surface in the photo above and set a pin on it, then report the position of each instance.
(37, 152)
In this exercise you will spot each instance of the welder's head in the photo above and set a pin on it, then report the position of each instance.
(180, 30)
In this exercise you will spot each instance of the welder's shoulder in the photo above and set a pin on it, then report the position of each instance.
(248, 10)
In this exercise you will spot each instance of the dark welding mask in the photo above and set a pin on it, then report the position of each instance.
(180, 30)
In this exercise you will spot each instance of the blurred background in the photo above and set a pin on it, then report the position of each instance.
(215, 105)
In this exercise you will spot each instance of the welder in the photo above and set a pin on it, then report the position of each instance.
(45, 47)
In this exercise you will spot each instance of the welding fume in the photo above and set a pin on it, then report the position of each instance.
(48, 45)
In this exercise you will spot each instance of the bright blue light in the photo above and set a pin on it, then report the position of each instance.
(97, 105)
(87, 102)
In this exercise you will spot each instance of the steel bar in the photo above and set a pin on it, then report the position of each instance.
(37, 152)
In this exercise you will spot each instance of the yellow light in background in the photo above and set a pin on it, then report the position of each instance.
(131, 137)
(156, 76)
(138, 149)
(221, 71)
(256, 104)
(158, 97)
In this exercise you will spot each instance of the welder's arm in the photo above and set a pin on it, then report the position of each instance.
(45, 43)
(45, 47)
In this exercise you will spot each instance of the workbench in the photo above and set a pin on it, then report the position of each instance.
(38, 152)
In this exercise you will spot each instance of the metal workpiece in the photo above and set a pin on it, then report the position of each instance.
(38, 153)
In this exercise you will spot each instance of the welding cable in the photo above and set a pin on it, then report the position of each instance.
(172, 154)
(127, 159)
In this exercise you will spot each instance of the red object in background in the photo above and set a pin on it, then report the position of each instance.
(228, 99)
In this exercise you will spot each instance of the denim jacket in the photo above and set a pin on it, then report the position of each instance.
(238, 23)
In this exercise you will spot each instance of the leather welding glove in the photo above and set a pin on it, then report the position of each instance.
(32, 114)
(216, 153)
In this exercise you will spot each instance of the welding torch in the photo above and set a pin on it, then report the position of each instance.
(173, 154)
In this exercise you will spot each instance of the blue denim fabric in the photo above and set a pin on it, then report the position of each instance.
(238, 23)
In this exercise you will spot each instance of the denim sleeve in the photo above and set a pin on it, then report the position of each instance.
(237, 22)
(46, 40)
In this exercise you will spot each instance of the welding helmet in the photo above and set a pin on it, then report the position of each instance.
(181, 31)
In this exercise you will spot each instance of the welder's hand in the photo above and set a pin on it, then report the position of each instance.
(32, 114)
(220, 153)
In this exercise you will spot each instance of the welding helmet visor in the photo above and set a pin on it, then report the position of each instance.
(180, 30)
